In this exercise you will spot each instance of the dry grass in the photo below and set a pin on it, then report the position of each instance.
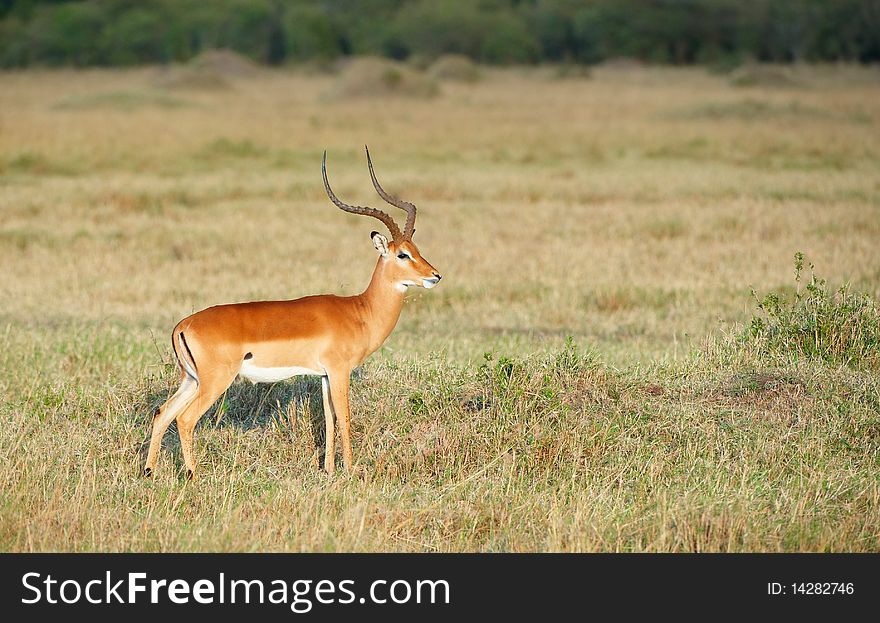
(632, 211)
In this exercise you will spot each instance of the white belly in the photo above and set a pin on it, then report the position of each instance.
(272, 375)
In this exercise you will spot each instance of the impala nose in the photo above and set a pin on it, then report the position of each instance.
(430, 282)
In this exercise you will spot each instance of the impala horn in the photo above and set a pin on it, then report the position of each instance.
(408, 229)
(378, 214)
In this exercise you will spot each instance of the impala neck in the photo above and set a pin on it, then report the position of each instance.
(383, 300)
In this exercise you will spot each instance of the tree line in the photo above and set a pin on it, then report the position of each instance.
(723, 32)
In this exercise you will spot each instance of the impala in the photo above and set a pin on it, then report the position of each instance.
(268, 341)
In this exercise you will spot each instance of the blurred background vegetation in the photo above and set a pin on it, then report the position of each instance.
(714, 32)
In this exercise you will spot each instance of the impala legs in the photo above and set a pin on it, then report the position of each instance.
(329, 432)
(166, 413)
(195, 396)
(335, 392)
(209, 391)
(339, 398)
(187, 405)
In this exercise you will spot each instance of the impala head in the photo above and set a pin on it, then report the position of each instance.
(404, 264)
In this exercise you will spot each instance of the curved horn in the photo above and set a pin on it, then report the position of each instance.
(379, 214)
(409, 228)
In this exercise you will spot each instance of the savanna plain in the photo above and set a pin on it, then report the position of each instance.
(593, 373)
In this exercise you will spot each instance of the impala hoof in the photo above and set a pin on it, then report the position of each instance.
(190, 474)
(148, 472)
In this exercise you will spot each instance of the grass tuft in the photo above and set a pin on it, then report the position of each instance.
(120, 100)
(839, 327)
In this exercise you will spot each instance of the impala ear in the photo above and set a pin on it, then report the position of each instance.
(380, 242)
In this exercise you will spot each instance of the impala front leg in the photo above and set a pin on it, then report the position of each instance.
(335, 387)
(329, 431)
(339, 401)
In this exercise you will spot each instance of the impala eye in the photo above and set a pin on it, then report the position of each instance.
(403, 256)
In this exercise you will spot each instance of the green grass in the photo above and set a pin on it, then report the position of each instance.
(749, 109)
(555, 452)
(120, 100)
(31, 163)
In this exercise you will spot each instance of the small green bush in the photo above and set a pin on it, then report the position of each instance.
(310, 33)
(66, 35)
(132, 38)
(834, 326)
(507, 41)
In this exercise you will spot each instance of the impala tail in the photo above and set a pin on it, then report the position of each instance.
(184, 354)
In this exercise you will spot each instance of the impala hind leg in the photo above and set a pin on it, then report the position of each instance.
(209, 391)
(165, 415)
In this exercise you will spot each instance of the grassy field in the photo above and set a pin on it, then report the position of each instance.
(631, 210)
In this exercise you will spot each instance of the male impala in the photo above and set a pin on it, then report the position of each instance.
(267, 341)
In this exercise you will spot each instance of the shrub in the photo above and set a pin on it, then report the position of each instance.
(135, 37)
(311, 34)
(551, 27)
(67, 35)
(834, 326)
(14, 50)
(432, 28)
(508, 41)
(249, 27)
(193, 28)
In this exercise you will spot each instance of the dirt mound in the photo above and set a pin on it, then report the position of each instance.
(226, 63)
(210, 70)
(455, 67)
(375, 77)
(754, 75)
